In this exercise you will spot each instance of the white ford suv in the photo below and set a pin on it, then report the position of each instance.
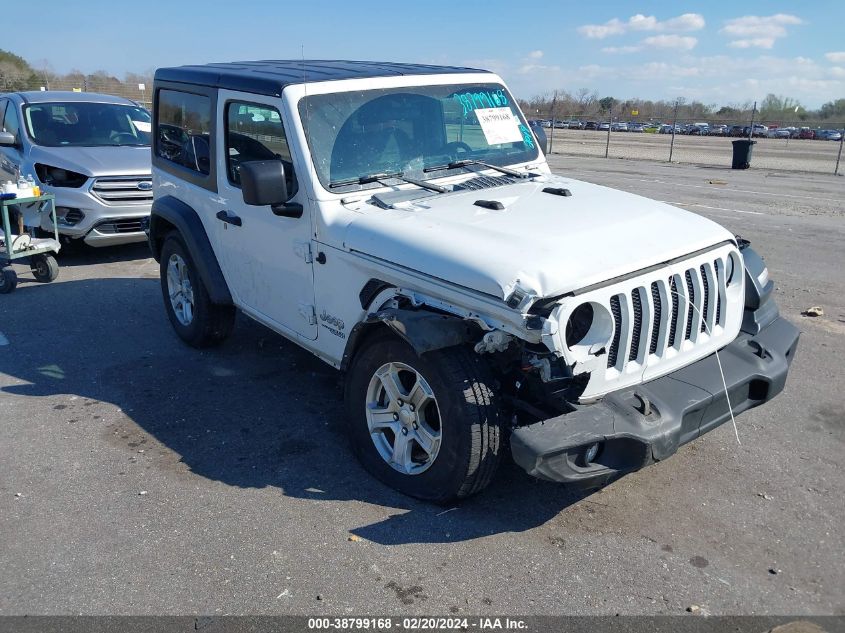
(401, 223)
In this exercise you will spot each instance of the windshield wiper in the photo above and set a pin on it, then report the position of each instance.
(456, 164)
(379, 178)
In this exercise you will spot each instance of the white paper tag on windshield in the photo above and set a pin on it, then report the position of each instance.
(499, 125)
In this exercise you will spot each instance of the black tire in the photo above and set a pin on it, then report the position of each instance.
(210, 323)
(44, 267)
(8, 281)
(471, 425)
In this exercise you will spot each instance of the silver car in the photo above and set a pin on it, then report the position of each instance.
(92, 151)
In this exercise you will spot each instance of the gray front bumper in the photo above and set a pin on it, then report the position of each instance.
(648, 422)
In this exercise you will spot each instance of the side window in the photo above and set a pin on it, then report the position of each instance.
(3, 103)
(11, 123)
(255, 132)
(184, 124)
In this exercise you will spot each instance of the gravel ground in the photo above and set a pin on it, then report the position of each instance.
(138, 476)
(768, 153)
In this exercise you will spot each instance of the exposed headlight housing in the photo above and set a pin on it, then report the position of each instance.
(579, 324)
(588, 329)
(58, 177)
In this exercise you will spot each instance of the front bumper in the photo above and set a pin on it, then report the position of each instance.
(102, 224)
(647, 423)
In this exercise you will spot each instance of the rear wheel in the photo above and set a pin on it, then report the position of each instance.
(44, 267)
(197, 321)
(427, 425)
(8, 281)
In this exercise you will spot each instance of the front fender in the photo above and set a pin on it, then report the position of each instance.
(168, 213)
(424, 331)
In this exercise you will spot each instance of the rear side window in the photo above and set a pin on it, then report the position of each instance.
(184, 127)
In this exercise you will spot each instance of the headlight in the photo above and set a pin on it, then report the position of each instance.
(58, 177)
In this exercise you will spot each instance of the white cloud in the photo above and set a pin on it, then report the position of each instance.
(835, 57)
(754, 31)
(639, 22)
(679, 42)
(621, 49)
(685, 22)
(535, 54)
(757, 42)
(601, 31)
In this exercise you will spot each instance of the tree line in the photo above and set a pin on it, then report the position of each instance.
(586, 103)
(17, 74)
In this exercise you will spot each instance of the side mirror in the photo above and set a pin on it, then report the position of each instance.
(540, 135)
(7, 139)
(263, 183)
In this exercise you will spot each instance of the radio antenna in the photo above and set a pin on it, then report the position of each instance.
(304, 91)
(306, 128)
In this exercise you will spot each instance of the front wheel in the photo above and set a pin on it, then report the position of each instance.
(427, 425)
(197, 321)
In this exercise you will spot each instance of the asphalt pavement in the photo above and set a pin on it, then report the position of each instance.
(138, 476)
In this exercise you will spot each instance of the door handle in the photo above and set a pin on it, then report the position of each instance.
(229, 218)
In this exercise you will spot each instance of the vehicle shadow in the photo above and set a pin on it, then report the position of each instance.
(257, 412)
(78, 253)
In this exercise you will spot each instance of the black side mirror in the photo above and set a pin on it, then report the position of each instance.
(540, 135)
(263, 183)
(7, 139)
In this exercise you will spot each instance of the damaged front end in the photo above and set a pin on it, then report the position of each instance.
(636, 364)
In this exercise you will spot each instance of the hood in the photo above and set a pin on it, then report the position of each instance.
(550, 244)
(96, 161)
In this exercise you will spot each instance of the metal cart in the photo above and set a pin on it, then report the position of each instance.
(39, 250)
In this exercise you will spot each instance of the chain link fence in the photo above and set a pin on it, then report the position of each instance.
(141, 91)
(784, 145)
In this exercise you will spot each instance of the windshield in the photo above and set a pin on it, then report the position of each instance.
(409, 130)
(87, 124)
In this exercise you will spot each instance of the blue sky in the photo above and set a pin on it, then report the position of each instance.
(716, 51)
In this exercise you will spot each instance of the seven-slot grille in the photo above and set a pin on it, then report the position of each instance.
(668, 313)
(124, 189)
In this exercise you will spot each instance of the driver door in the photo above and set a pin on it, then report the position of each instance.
(265, 259)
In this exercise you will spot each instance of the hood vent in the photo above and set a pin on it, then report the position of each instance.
(486, 182)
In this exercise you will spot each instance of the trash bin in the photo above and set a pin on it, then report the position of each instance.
(742, 154)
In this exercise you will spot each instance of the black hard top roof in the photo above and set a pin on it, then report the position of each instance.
(269, 77)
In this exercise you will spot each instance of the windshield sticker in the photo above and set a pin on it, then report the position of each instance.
(499, 125)
(527, 138)
(471, 100)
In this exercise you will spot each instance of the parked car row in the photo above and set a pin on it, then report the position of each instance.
(697, 129)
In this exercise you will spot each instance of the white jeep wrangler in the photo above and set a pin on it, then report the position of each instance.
(401, 223)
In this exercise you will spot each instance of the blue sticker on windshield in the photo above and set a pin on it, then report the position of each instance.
(484, 99)
(527, 137)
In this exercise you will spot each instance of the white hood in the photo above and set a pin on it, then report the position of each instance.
(551, 244)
